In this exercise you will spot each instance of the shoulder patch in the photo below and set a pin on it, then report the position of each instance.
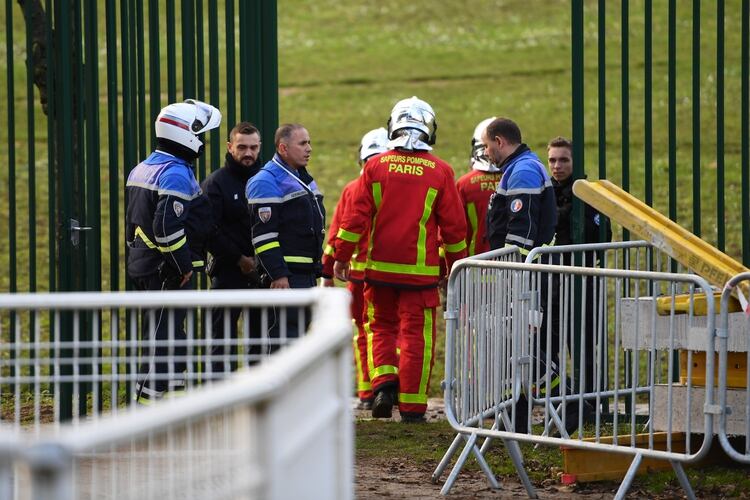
(178, 208)
(597, 219)
(516, 205)
(264, 214)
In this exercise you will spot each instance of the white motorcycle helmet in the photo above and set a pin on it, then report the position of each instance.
(412, 124)
(479, 159)
(373, 142)
(183, 122)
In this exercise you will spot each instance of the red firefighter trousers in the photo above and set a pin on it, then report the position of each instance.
(405, 319)
(364, 390)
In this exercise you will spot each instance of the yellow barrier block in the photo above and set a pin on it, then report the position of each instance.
(736, 369)
(700, 308)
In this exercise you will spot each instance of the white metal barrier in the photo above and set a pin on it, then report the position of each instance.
(282, 429)
(507, 322)
(733, 337)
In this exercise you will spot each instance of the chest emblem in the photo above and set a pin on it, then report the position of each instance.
(178, 208)
(235, 196)
(516, 205)
(264, 214)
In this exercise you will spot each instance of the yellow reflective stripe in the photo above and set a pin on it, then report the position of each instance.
(298, 260)
(361, 382)
(426, 352)
(455, 247)
(328, 250)
(198, 263)
(368, 331)
(383, 370)
(358, 266)
(471, 212)
(521, 250)
(412, 398)
(422, 239)
(348, 235)
(441, 252)
(267, 246)
(377, 194)
(139, 232)
(389, 267)
(172, 248)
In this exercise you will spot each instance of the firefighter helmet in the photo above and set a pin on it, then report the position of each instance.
(413, 114)
(183, 122)
(373, 142)
(479, 159)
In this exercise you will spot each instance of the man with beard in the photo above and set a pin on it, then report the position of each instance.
(233, 265)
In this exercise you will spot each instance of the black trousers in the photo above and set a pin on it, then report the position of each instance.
(162, 367)
(225, 347)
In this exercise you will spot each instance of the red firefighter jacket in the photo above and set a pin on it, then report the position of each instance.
(359, 258)
(475, 189)
(406, 196)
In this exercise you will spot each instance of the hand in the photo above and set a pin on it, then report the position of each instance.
(186, 278)
(341, 270)
(282, 282)
(247, 264)
(328, 282)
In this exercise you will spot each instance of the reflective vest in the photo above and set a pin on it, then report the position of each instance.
(404, 197)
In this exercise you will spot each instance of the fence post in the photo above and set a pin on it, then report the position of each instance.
(51, 472)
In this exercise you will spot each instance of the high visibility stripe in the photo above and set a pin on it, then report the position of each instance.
(174, 247)
(358, 266)
(368, 331)
(389, 267)
(139, 232)
(422, 239)
(348, 235)
(267, 246)
(471, 212)
(362, 384)
(264, 237)
(198, 263)
(377, 194)
(171, 237)
(328, 250)
(426, 352)
(441, 252)
(412, 398)
(455, 247)
(383, 370)
(298, 260)
(519, 239)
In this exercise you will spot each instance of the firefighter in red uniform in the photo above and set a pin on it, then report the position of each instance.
(373, 142)
(475, 189)
(405, 195)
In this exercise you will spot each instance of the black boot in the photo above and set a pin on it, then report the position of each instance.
(385, 398)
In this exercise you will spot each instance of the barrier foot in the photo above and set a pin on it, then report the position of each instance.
(514, 450)
(471, 445)
(446, 458)
(629, 476)
(682, 477)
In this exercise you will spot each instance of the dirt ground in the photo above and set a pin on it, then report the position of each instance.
(377, 478)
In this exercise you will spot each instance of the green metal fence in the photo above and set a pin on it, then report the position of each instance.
(702, 178)
(85, 82)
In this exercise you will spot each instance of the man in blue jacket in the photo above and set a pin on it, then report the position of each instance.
(167, 223)
(288, 220)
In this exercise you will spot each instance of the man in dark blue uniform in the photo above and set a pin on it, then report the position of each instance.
(288, 221)
(233, 262)
(167, 224)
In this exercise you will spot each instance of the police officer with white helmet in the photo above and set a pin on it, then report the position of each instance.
(167, 223)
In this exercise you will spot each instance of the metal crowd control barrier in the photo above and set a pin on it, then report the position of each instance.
(238, 438)
(46, 377)
(734, 395)
(511, 357)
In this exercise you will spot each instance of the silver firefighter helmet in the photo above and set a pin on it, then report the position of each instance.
(373, 142)
(183, 122)
(413, 114)
(479, 159)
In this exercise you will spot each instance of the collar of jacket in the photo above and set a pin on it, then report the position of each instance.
(238, 169)
(568, 182)
(522, 148)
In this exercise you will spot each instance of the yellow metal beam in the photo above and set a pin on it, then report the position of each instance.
(682, 245)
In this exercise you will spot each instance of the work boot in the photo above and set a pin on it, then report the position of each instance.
(409, 417)
(522, 415)
(382, 406)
